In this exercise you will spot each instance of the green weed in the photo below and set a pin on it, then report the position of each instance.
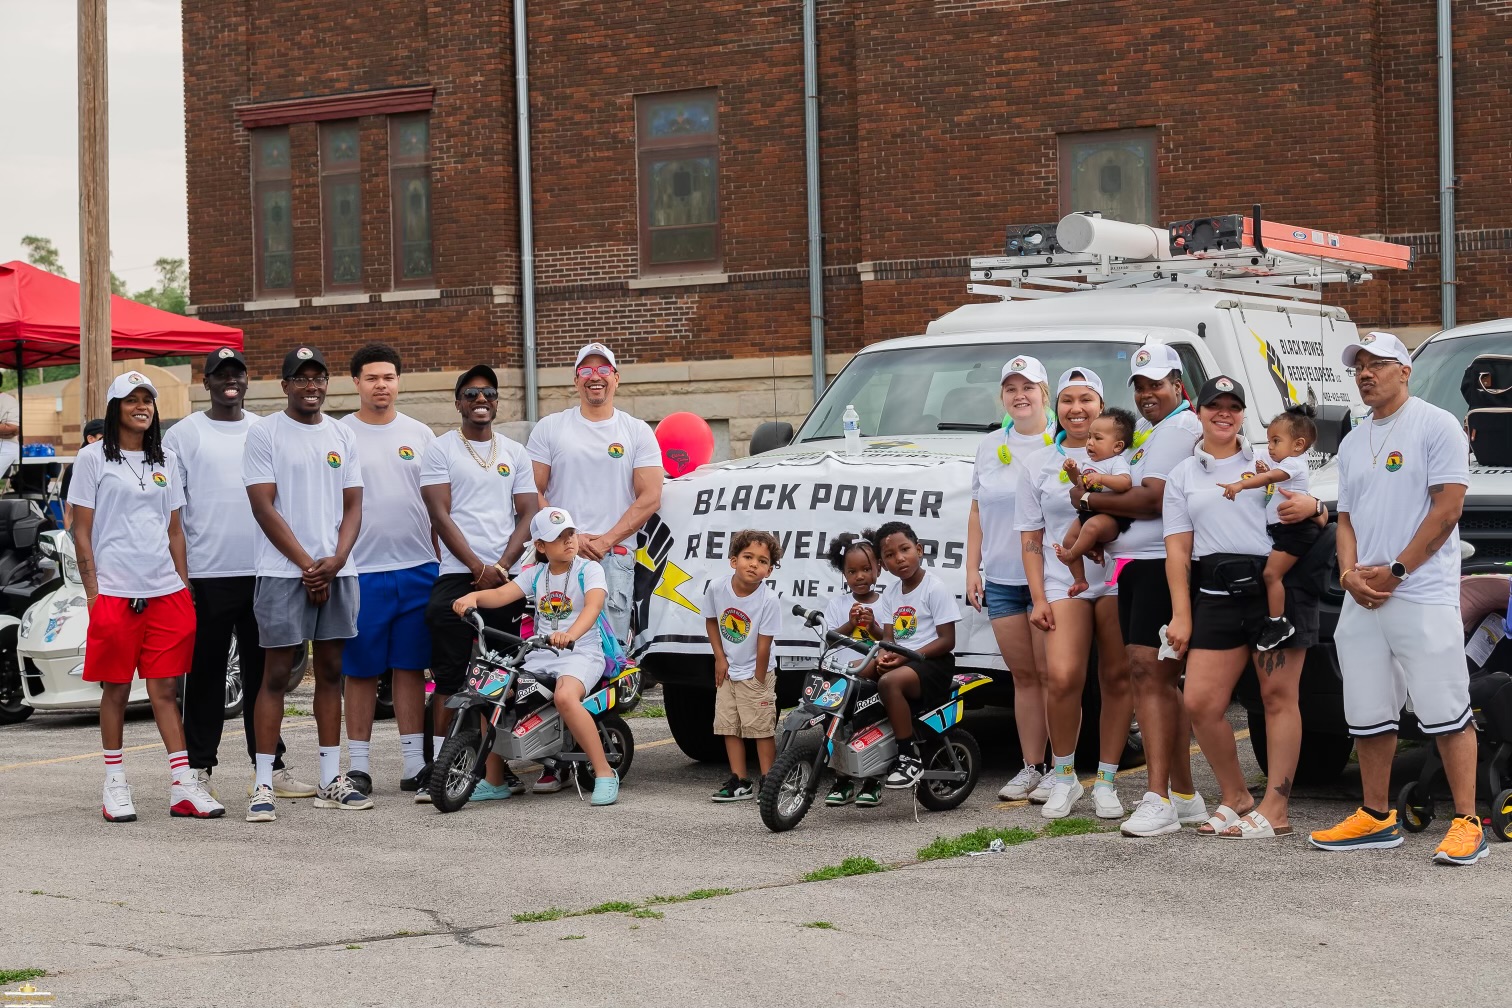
(1074, 826)
(976, 840)
(821, 925)
(647, 914)
(536, 916)
(648, 710)
(696, 894)
(615, 906)
(572, 937)
(10, 976)
(850, 866)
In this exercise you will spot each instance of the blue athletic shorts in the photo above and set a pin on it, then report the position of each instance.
(1007, 600)
(391, 630)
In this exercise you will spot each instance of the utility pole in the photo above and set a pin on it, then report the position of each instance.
(94, 211)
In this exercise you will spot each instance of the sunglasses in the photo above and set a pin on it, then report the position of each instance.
(603, 371)
(491, 394)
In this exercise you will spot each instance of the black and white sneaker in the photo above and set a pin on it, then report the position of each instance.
(417, 782)
(733, 790)
(361, 780)
(906, 771)
(1277, 631)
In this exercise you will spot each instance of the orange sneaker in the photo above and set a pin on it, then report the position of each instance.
(1465, 843)
(1361, 831)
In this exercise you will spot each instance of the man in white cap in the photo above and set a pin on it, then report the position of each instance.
(1402, 480)
(604, 466)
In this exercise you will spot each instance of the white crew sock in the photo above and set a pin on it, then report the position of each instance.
(264, 771)
(357, 754)
(178, 765)
(412, 747)
(330, 764)
(115, 765)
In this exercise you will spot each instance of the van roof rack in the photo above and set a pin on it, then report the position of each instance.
(1233, 252)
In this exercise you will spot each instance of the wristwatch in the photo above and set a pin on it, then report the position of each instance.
(1318, 509)
(1398, 570)
(1085, 505)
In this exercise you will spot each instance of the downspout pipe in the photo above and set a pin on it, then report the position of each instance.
(1446, 162)
(811, 172)
(527, 214)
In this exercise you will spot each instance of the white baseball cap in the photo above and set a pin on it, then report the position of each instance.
(1029, 367)
(1153, 361)
(1381, 344)
(549, 523)
(127, 383)
(599, 349)
(1088, 378)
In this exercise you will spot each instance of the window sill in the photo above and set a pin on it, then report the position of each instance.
(410, 295)
(338, 299)
(685, 280)
(271, 304)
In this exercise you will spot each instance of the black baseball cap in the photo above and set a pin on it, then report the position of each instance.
(1221, 385)
(223, 355)
(95, 428)
(299, 357)
(477, 370)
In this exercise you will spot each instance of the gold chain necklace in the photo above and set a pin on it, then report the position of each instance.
(493, 451)
(1375, 453)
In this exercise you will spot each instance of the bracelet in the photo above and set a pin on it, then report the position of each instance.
(502, 570)
(1345, 575)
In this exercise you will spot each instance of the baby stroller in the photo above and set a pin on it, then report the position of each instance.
(1488, 653)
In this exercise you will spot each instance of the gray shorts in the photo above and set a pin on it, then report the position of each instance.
(286, 618)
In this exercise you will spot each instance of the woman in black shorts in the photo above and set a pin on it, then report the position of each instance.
(1215, 560)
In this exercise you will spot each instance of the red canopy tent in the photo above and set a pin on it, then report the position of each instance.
(39, 324)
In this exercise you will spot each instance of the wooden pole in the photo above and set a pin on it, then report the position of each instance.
(94, 211)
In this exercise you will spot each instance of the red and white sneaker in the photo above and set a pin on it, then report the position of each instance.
(117, 806)
(190, 799)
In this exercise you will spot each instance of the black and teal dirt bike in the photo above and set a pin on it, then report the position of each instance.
(840, 726)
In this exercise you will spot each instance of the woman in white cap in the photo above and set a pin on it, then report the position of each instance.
(126, 499)
(1043, 513)
(995, 558)
(1219, 547)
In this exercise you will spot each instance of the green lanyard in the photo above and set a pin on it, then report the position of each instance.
(1005, 454)
(1140, 437)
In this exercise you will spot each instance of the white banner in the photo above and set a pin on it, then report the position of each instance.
(804, 500)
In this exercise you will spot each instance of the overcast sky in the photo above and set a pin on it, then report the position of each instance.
(39, 174)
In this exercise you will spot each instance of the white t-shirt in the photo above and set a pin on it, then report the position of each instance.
(918, 615)
(482, 498)
(742, 619)
(1194, 503)
(1115, 465)
(559, 599)
(593, 464)
(311, 465)
(1417, 447)
(1169, 443)
(1295, 482)
(1000, 461)
(132, 503)
(837, 613)
(1044, 503)
(396, 530)
(218, 523)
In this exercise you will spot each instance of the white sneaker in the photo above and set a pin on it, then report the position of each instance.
(1105, 802)
(260, 808)
(1023, 783)
(285, 785)
(190, 799)
(117, 805)
(1190, 811)
(1153, 816)
(1064, 793)
(1041, 792)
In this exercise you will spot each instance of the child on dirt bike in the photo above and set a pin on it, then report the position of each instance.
(1111, 434)
(569, 593)
(857, 612)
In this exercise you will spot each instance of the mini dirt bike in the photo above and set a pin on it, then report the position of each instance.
(855, 738)
(506, 710)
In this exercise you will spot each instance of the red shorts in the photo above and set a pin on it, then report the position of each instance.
(157, 643)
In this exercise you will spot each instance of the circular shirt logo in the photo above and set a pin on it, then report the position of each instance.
(407, 453)
(1223, 385)
(503, 468)
(1142, 358)
(333, 459)
(1137, 456)
(1018, 364)
(1394, 461)
(304, 353)
(159, 479)
(227, 353)
(554, 606)
(556, 518)
(616, 450)
(734, 625)
(905, 623)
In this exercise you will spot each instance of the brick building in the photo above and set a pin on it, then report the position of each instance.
(352, 168)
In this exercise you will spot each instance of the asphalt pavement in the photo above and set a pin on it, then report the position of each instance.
(698, 903)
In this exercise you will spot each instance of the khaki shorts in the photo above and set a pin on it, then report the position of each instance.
(747, 708)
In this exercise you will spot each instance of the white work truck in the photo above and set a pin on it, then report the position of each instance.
(926, 400)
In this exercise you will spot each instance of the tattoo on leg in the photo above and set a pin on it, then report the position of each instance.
(1284, 789)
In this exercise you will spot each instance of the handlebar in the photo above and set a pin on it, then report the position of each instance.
(815, 618)
(538, 642)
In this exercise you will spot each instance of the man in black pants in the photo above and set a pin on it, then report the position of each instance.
(219, 529)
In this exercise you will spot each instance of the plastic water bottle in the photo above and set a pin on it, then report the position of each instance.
(850, 422)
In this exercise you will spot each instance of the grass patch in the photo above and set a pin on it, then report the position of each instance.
(292, 711)
(1072, 826)
(647, 914)
(976, 840)
(10, 976)
(696, 894)
(850, 866)
(648, 710)
(820, 925)
(572, 937)
(614, 906)
(536, 916)
(353, 948)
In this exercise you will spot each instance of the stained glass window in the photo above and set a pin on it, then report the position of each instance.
(1110, 172)
(341, 204)
(678, 158)
(410, 194)
(272, 224)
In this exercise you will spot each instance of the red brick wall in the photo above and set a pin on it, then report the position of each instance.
(940, 120)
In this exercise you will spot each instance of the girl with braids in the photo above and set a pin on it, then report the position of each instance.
(858, 612)
(127, 497)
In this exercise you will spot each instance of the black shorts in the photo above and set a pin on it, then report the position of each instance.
(452, 639)
(1144, 601)
(935, 675)
(1296, 538)
(1221, 622)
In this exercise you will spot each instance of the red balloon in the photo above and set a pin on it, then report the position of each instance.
(686, 443)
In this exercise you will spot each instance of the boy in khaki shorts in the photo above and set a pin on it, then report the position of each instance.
(742, 616)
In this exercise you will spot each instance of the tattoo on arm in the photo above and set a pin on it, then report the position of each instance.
(1437, 488)
(1032, 547)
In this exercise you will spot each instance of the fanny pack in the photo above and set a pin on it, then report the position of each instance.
(1231, 574)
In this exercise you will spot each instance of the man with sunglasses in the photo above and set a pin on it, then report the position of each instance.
(604, 467)
(1403, 473)
(480, 490)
